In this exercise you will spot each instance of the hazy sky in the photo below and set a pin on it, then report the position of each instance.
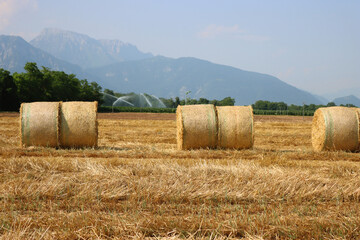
(311, 44)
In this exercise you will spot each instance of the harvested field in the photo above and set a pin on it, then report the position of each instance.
(136, 184)
(172, 116)
(138, 116)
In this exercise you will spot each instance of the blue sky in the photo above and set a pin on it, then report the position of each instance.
(311, 44)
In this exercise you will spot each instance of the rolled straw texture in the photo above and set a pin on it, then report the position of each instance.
(357, 110)
(235, 127)
(196, 126)
(335, 128)
(39, 124)
(78, 124)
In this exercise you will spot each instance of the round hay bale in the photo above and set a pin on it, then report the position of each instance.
(196, 126)
(335, 128)
(78, 124)
(235, 127)
(39, 124)
(357, 110)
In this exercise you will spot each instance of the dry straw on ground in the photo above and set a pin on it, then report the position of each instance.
(235, 127)
(78, 124)
(196, 126)
(138, 186)
(335, 128)
(39, 124)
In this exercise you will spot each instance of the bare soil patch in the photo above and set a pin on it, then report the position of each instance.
(9, 114)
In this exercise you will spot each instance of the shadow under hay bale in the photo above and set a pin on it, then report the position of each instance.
(235, 127)
(39, 124)
(78, 124)
(335, 128)
(196, 126)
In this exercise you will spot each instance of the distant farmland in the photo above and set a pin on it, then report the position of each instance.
(138, 185)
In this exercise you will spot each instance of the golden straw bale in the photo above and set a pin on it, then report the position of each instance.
(39, 124)
(78, 124)
(235, 127)
(196, 126)
(335, 128)
(357, 110)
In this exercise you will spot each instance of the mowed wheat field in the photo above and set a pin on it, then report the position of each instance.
(137, 185)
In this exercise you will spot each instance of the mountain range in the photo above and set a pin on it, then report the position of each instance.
(174, 77)
(15, 52)
(123, 68)
(85, 51)
(348, 99)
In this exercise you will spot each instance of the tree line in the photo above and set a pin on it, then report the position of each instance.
(43, 85)
(46, 85)
(267, 107)
(174, 102)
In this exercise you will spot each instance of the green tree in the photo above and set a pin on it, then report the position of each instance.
(109, 97)
(214, 102)
(203, 101)
(331, 104)
(228, 101)
(282, 106)
(261, 105)
(64, 87)
(46, 85)
(110, 92)
(90, 92)
(177, 102)
(191, 101)
(312, 107)
(8, 92)
(349, 105)
(170, 103)
(31, 86)
(182, 102)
